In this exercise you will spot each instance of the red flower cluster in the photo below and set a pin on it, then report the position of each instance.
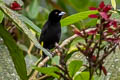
(101, 66)
(92, 32)
(113, 40)
(109, 25)
(93, 58)
(103, 9)
(104, 14)
(15, 6)
(107, 30)
(104, 70)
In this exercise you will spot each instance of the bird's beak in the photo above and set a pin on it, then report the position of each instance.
(62, 13)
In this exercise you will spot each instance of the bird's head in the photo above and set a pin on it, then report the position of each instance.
(56, 15)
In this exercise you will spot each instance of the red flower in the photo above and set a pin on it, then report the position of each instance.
(114, 40)
(107, 24)
(93, 58)
(104, 70)
(104, 15)
(93, 16)
(93, 8)
(109, 15)
(107, 8)
(15, 6)
(114, 23)
(110, 30)
(110, 23)
(104, 8)
(102, 5)
(92, 32)
(76, 31)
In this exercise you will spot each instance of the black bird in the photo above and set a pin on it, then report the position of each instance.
(51, 30)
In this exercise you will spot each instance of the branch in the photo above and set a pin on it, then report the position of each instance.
(64, 43)
(43, 77)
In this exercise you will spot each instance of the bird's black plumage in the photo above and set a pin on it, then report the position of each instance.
(51, 30)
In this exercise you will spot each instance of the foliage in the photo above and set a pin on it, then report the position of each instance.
(76, 17)
(49, 71)
(1, 16)
(15, 52)
(98, 37)
(22, 26)
(83, 76)
(73, 67)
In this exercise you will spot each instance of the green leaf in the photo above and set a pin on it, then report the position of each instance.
(92, 22)
(33, 9)
(55, 60)
(1, 16)
(118, 11)
(15, 52)
(76, 17)
(72, 48)
(74, 66)
(113, 2)
(30, 23)
(83, 76)
(48, 70)
(115, 15)
(74, 43)
(20, 25)
(22, 47)
(69, 55)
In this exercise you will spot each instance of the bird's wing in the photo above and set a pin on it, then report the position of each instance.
(44, 30)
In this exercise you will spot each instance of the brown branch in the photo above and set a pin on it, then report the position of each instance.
(68, 40)
(67, 72)
(65, 78)
(30, 47)
(43, 77)
(64, 43)
(60, 68)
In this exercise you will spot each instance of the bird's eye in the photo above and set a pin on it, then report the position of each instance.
(56, 12)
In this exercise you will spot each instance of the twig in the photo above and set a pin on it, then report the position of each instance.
(64, 43)
(43, 77)
(65, 78)
(59, 68)
(40, 64)
(30, 48)
(68, 40)
(33, 71)
(67, 72)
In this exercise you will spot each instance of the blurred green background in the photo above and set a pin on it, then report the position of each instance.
(37, 11)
